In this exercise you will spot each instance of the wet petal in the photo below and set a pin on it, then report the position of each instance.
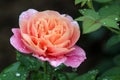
(57, 62)
(16, 41)
(54, 62)
(75, 58)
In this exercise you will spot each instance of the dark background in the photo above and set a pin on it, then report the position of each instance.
(9, 15)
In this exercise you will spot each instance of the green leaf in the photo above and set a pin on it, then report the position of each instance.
(114, 40)
(103, 1)
(83, 2)
(12, 67)
(72, 75)
(78, 1)
(62, 76)
(90, 13)
(114, 17)
(117, 60)
(91, 75)
(36, 75)
(109, 11)
(84, 18)
(115, 77)
(30, 62)
(112, 74)
(90, 4)
(90, 25)
(109, 23)
(104, 65)
(14, 72)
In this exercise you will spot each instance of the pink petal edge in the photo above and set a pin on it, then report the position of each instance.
(53, 62)
(75, 57)
(17, 43)
(67, 16)
(27, 14)
(57, 62)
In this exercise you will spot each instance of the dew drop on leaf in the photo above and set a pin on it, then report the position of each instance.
(55, 69)
(104, 23)
(4, 75)
(105, 79)
(74, 69)
(116, 19)
(17, 74)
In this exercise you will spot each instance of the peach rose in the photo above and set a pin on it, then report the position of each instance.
(49, 36)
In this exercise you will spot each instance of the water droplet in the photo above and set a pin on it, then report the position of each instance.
(55, 69)
(105, 79)
(17, 74)
(4, 75)
(104, 23)
(116, 19)
(74, 69)
(118, 24)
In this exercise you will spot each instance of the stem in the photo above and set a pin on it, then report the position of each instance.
(45, 70)
(115, 31)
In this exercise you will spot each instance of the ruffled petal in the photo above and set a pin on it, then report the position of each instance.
(67, 16)
(24, 18)
(75, 57)
(17, 43)
(57, 62)
(53, 62)
(27, 14)
(41, 57)
(76, 33)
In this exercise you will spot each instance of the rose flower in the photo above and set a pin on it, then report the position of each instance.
(49, 36)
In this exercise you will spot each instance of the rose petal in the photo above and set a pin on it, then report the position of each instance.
(54, 62)
(75, 35)
(27, 14)
(24, 17)
(16, 41)
(57, 62)
(75, 58)
(67, 16)
(40, 57)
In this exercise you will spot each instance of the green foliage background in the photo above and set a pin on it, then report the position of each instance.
(97, 16)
